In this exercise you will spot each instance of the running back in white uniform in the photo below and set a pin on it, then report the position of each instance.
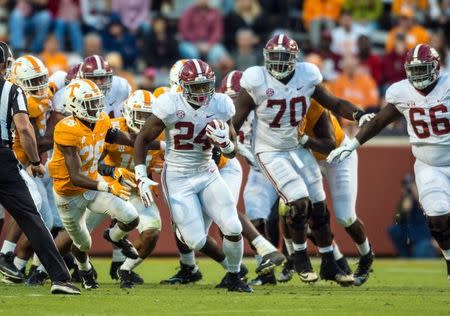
(56, 80)
(428, 121)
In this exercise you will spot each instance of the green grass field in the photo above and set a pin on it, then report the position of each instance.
(397, 287)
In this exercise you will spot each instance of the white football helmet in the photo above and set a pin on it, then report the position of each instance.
(84, 100)
(174, 74)
(30, 73)
(136, 109)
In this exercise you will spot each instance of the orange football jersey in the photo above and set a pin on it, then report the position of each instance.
(310, 120)
(70, 131)
(38, 110)
(122, 156)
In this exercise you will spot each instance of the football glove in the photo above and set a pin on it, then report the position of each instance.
(365, 118)
(342, 152)
(219, 133)
(120, 190)
(125, 177)
(144, 184)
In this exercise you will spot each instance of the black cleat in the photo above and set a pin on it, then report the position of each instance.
(127, 247)
(75, 276)
(136, 278)
(186, 274)
(37, 278)
(269, 262)
(288, 271)
(343, 265)
(59, 287)
(302, 265)
(448, 269)
(115, 265)
(242, 274)
(265, 279)
(234, 283)
(329, 270)
(362, 272)
(125, 279)
(88, 280)
(7, 267)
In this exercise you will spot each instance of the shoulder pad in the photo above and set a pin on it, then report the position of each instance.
(253, 77)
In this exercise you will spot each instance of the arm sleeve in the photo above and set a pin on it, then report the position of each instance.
(18, 102)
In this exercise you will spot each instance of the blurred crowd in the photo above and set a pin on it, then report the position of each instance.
(359, 45)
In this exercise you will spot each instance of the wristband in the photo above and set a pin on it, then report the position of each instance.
(140, 171)
(303, 139)
(35, 163)
(228, 149)
(357, 114)
(162, 145)
(354, 143)
(102, 186)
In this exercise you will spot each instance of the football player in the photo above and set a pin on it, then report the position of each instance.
(194, 120)
(424, 100)
(279, 92)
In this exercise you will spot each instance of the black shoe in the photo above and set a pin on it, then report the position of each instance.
(136, 278)
(343, 265)
(243, 272)
(127, 247)
(31, 270)
(363, 270)
(59, 287)
(448, 269)
(75, 276)
(329, 270)
(186, 274)
(125, 279)
(235, 284)
(288, 271)
(269, 262)
(37, 278)
(88, 280)
(7, 267)
(302, 265)
(115, 265)
(268, 278)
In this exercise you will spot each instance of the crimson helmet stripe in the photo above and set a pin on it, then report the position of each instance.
(229, 84)
(197, 66)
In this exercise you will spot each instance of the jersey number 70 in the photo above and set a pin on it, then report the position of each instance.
(282, 108)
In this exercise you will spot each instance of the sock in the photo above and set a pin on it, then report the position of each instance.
(337, 252)
(446, 254)
(116, 233)
(224, 264)
(130, 264)
(289, 246)
(258, 259)
(36, 262)
(41, 268)
(188, 258)
(20, 263)
(118, 256)
(364, 248)
(299, 247)
(8, 247)
(84, 266)
(263, 246)
(326, 249)
(234, 250)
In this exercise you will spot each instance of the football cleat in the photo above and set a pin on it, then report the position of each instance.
(75, 276)
(7, 267)
(265, 279)
(362, 272)
(343, 265)
(186, 274)
(448, 269)
(242, 274)
(127, 247)
(235, 284)
(88, 280)
(115, 265)
(36, 278)
(269, 262)
(64, 288)
(287, 272)
(125, 279)
(302, 265)
(329, 270)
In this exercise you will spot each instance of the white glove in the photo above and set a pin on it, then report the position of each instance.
(144, 184)
(219, 134)
(302, 140)
(247, 154)
(365, 118)
(342, 152)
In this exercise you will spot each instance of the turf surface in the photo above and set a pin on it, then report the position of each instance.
(397, 287)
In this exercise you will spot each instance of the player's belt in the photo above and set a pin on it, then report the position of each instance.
(210, 166)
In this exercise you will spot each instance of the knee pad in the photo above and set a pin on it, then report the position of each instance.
(299, 214)
(320, 216)
(440, 230)
(232, 227)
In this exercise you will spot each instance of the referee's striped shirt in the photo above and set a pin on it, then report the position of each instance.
(12, 101)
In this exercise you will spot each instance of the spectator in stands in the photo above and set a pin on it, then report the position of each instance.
(319, 15)
(52, 57)
(326, 67)
(369, 61)
(413, 32)
(4, 16)
(393, 63)
(148, 80)
(201, 29)
(95, 14)
(116, 62)
(93, 44)
(246, 14)
(277, 13)
(67, 22)
(365, 12)
(116, 38)
(325, 52)
(439, 42)
(30, 17)
(159, 47)
(134, 14)
(345, 36)
(419, 7)
(410, 233)
(246, 55)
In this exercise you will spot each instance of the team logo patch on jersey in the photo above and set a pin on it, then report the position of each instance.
(411, 103)
(270, 92)
(181, 114)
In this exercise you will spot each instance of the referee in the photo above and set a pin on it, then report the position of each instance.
(14, 193)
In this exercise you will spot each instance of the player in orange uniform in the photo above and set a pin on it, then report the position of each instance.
(79, 140)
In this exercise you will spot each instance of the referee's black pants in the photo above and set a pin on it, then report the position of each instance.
(17, 200)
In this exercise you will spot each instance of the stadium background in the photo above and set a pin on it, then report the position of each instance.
(359, 46)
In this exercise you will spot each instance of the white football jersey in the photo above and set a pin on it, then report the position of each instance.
(427, 117)
(57, 79)
(187, 144)
(279, 107)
